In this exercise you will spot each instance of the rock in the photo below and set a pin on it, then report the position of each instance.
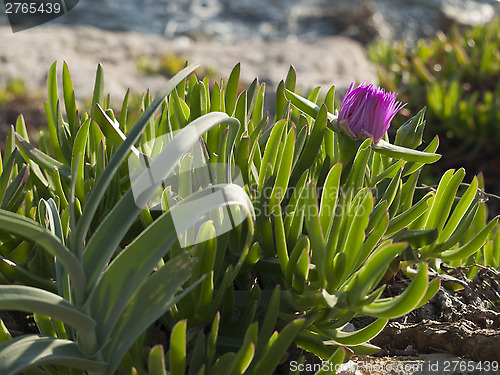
(232, 21)
(360, 21)
(29, 54)
(467, 14)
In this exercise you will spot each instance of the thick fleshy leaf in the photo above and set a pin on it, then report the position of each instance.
(443, 201)
(31, 230)
(297, 268)
(329, 196)
(279, 237)
(388, 172)
(29, 299)
(127, 272)
(354, 235)
(408, 216)
(357, 174)
(15, 191)
(373, 238)
(284, 169)
(117, 222)
(28, 351)
(51, 109)
(110, 128)
(470, 247)
(154, 298)
(69, 98)
(245, 355)
(178, 348)
(414, 167)
(459, 233)
(278, 347)
(231, 91)
(312, 146)
(77, 163)
(7, 172)
(45, 161)
(333, 362)
(432, 289)
(418, 238)
(310, 108)
(102, 184)
(156, 361)
(404, 303)
(360, 336)
(460, 210)
(15, 272)
(268, 323)
(408, 154)
(271, 151)
(372, 271)
(98, 96)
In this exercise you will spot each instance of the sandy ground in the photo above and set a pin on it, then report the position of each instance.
(29, 54)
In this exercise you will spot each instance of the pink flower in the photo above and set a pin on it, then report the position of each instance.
(367, 111)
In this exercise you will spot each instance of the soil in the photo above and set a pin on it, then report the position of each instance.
(456, 333)
(465, 322)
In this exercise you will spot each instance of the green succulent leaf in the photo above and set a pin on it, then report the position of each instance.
(277, 347)
(309, 108)
(117, 222)
(27, 351)
(408, 154)
(110, 128)
(411, 168)
(155, 297)
(312, 145)
(409, 216)
(29, 299)
(432, 289)
(405, 302)
(30, 152)
(7, 173)
(357, 337)
(156, 361)
(329, 197)
(231, 91)
(178, 348)
(14, 193)
(15, 272)
(443, 201)
(470, 247)
(244, 356)
(31, 230)
(102, 184)
(271, 151)
(334, 361)
(51, 109)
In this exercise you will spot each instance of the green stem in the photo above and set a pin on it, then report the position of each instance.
(90, 345)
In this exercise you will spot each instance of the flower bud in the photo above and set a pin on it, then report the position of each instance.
(410, 133)
(367, 111)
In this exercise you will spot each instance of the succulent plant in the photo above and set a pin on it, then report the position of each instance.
(117, 286)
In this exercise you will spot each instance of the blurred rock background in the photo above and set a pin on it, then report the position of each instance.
(265, 35)
(324, 39)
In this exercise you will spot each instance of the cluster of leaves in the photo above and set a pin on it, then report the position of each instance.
(327, 218)
(457, 76)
